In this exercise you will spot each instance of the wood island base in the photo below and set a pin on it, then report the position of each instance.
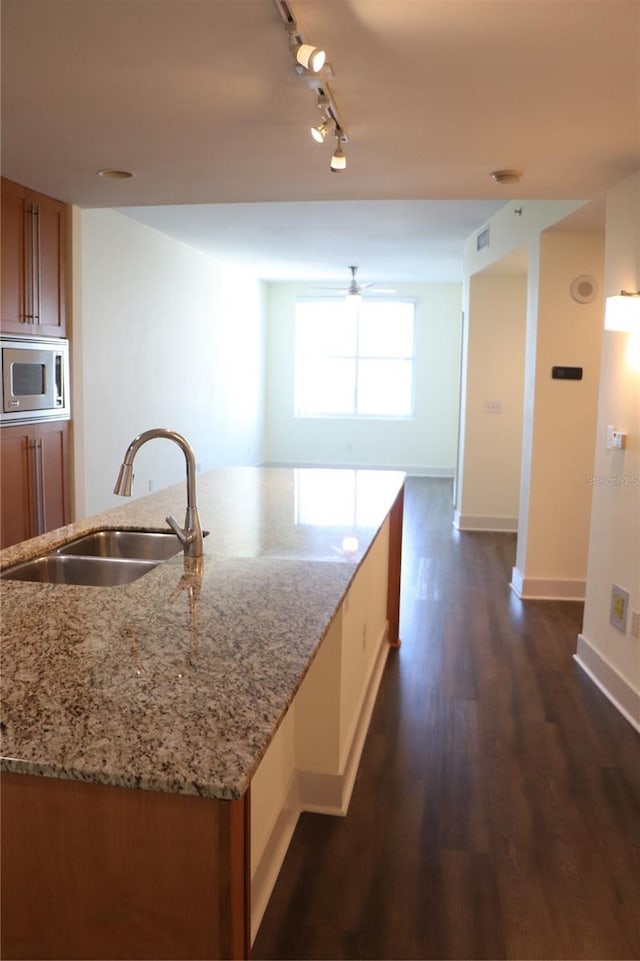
(94, 872)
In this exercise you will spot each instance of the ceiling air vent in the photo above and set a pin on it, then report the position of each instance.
(482, 240)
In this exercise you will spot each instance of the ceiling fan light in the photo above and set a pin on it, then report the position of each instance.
(310, 57)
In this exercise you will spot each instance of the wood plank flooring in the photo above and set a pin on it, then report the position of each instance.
(496, 812)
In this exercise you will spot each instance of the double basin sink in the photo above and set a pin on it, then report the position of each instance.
(103, 558)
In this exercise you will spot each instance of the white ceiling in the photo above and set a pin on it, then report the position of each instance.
(200, 100)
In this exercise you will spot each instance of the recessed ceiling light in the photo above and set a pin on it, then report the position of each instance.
(506, 176)
(114, 174)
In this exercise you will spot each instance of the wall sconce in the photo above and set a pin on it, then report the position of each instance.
(622, 312)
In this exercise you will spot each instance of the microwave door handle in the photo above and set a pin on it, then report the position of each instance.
(57, 399)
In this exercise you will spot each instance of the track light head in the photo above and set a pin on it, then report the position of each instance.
(319, 132)
(338, 161)
(310, 57)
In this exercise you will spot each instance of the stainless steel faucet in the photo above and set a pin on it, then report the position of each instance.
(191, 535)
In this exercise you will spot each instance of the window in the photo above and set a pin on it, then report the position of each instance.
(354, 363)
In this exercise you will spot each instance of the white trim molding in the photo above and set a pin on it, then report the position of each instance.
(546, 588)
(321, 793)
(613, 685)
(266, 873)
(479, 522)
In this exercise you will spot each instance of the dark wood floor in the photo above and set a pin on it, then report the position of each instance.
(496, 812)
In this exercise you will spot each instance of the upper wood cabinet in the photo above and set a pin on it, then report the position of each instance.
(33, 263)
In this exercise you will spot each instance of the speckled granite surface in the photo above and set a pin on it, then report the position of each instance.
(178, 681)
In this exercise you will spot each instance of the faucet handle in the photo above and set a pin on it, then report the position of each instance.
(182, 536)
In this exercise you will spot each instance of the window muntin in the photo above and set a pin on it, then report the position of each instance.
(354, 363)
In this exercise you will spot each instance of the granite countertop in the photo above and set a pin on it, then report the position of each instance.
(179, 680)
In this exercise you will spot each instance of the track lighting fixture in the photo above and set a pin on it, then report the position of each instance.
(338, 161)
(311, 65)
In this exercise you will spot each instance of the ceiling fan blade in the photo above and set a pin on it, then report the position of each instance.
(386, 290)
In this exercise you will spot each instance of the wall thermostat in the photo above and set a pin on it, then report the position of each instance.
(566, 373)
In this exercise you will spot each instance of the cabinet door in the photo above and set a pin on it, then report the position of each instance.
(13, 258)
(34, 480)
(17, 507)
(50, 266)
(33, 263)
(52, 462)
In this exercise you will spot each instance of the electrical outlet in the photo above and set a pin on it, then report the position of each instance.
(618, 608)
(635, 624)
(493, 406)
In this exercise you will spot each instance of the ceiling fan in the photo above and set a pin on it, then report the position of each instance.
(355, 289)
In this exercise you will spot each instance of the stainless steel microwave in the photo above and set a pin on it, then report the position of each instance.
(35, 379)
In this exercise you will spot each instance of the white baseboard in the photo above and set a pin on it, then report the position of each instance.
(478, 522)
(448, 472)
(409, 471)
(604, 675)
(314, 792)
(546, 588)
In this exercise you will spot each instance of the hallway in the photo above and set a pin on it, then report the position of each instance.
(496, 812)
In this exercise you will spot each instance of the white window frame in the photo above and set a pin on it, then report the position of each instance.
(354, 415)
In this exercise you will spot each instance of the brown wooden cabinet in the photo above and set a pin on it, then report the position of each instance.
(33, 263)
(34, 480)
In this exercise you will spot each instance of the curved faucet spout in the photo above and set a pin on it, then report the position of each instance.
(191, 534)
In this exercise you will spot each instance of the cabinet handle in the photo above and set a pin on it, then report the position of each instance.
(32, 264)
(39, 479)
(35, 233)
(28, 268)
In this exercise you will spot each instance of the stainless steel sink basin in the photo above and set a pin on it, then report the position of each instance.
(85, 571)
(136, 545)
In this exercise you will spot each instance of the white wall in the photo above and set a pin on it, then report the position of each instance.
(424, 444)
(613, 658)
(514, 226)
(488, 484)
(162, 337)
(559, 436)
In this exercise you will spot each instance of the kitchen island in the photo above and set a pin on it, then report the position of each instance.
(160, 738)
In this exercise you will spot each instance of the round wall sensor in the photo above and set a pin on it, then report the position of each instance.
(584, 289)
